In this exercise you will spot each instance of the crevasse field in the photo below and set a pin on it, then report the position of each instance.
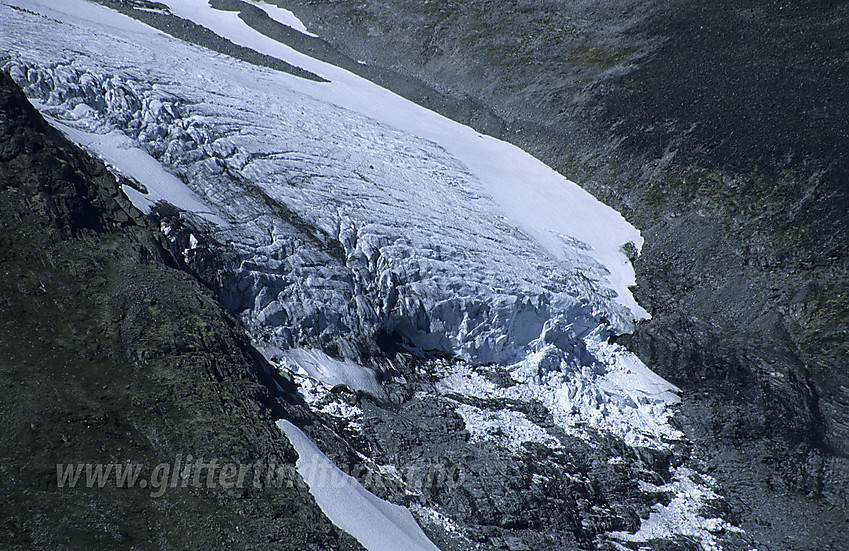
(350, 212)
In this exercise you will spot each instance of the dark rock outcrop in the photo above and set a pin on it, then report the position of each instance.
(111, 354)
(718, 129)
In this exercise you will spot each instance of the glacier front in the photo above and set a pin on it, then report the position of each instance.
(345, 221)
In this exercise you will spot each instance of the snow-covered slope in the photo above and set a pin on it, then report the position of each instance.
(539, 201)
(377, 524)
(422, 237)
(348, 212)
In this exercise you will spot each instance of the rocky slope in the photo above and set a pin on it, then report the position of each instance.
(718, 129)
(746, 294)
(548, 452)
(111, 353)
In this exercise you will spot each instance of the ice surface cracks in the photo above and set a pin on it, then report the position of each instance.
(341, 227)
(418, 259)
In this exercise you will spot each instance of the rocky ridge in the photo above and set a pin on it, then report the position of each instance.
(113, 353)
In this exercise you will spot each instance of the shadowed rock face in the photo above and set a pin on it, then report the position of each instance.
(718, 129)
(109, 354)
(744, 263)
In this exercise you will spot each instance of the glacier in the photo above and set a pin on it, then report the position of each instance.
(407, 241)
(343, 214)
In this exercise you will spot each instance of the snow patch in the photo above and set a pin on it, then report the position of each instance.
(331, 372)
(117, 150)
(282, 16)
(377, 524)
(691, 492)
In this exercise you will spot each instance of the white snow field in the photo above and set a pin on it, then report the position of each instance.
(282, 16)
(318, 366)
(538, 200)
(377, 524)
(348, 211)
